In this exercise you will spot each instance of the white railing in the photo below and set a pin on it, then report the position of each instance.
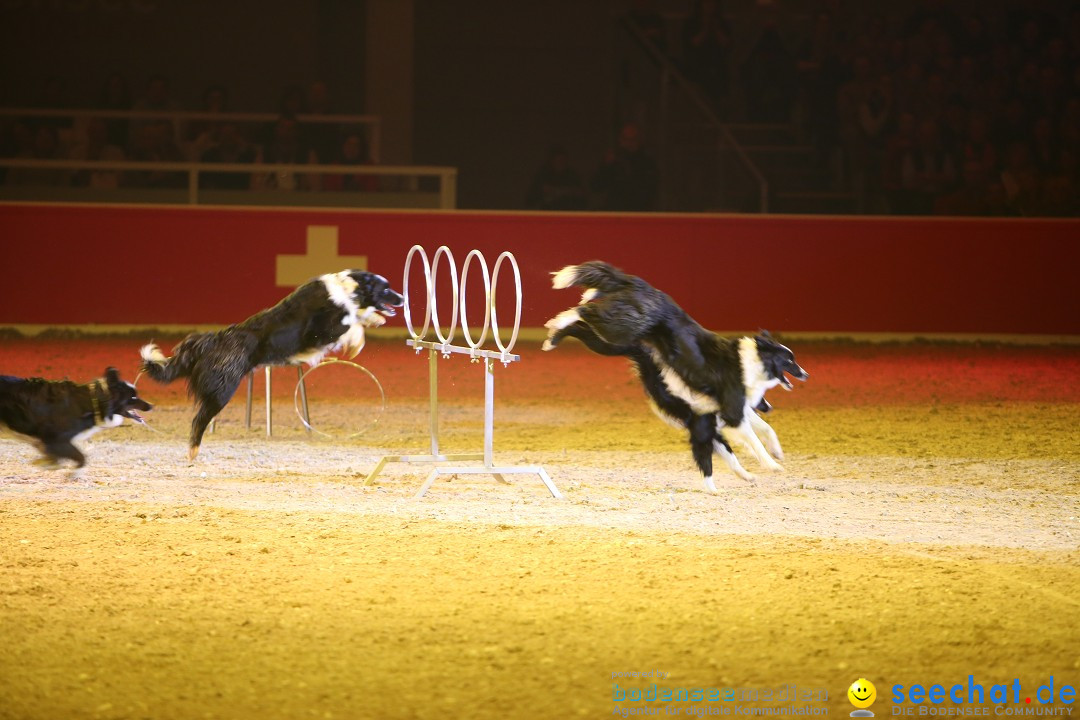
(372, 123)
(447, 176)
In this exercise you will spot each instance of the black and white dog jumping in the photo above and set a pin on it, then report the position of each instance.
(53, 414)
(694, 378)
(324, 315)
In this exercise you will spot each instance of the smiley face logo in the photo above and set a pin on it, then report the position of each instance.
(862, 693)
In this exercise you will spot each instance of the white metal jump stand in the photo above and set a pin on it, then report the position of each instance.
(473, 349)
(305, 415)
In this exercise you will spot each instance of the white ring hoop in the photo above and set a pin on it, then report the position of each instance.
(506, 254)
(487, 299)
(432, 301)
(405, 292)
(335, 361)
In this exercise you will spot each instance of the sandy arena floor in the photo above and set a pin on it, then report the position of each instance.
(926, 529)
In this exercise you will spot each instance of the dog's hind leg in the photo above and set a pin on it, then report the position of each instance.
(558, 325)
(702, 430)
(208, 410)
(766, 434)
(588, 336)
(723, 449)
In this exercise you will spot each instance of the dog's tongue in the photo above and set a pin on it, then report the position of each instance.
(137, 417)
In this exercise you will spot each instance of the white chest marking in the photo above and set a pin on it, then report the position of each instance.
(340, 287)
(755, 380)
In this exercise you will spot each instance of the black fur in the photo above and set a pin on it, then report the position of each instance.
(301, 328)
(623, 315)
(54, 412)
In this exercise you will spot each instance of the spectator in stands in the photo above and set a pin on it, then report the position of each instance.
(900, 144)
(970, 87)
(322, 137)
(155, 144)
(556, 185)
(1069, 125)
(7, 143)
(928, 170)
(231, 147)
(1012, 125)
(931, 18)
(53, 96)
(286, 148)
(1045, 152)
(873, 43)
(974, 42)
(976, 145)
(628, 178)
(768, 79)
(353, 151)
(292, 102)
(909, 84)
(115, 95)
(866, 130)
(96, 146)
(156, 98)
(971, 198)
(1050, 97)
(822, 70)
(1020, 179)
(203, 134)
(46, 146)
(854, 95)
(707, 47)
(1061, 190)
(954, 125)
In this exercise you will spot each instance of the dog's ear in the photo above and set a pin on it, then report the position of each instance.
(112, 376)
(764, 333)
(362, 279)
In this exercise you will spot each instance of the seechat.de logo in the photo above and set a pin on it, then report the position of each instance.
(862, 695)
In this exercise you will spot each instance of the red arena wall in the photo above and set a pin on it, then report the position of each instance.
(76, 265)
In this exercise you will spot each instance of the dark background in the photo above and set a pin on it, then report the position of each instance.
(483, 85)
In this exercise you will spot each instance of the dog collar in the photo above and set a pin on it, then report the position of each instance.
(95, 388)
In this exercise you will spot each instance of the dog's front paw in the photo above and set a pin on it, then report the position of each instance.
(549, 344)
(370, 317)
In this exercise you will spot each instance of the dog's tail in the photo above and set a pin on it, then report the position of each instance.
(162, 369)
(594, 274)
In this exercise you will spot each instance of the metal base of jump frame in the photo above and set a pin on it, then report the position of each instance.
(487, 358)
(269, 409)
